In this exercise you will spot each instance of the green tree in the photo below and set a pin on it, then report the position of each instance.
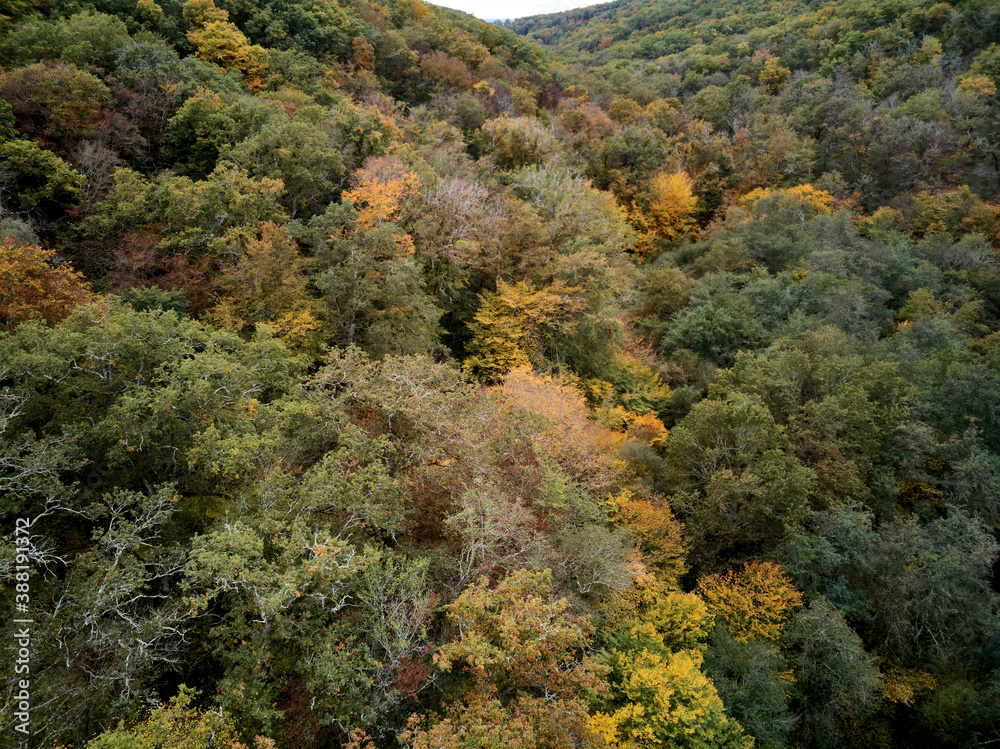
(769, 153)
(298, 153)
(276, 581)
(219, 215)
(55, 104)
(35, 178)
(209, 124)
(753, 679)
(371, 284)
(738, 484)
(837, 683)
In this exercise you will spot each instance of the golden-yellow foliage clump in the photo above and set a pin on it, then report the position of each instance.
(671, 211)
(511, 325)
(902, 684)
(978, 86)
(219, 41)
(656, 531)
(754, 602)
(774, 75)
(820, 201)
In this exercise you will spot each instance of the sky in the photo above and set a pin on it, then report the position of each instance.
(496, 9)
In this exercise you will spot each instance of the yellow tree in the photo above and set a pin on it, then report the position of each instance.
(774, 75)
(754, 602)
(671, 210)
(659, 695)
(664, 700)
(178, 725)
(512, 326)
(524, 678)
(657, 531)
(797, 199)
(498, 339)
(219, 41)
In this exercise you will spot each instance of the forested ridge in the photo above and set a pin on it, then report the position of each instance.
(372, 376)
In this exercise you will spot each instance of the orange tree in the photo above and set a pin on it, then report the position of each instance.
(33, 288)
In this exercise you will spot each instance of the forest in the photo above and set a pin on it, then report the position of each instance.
(376, 377)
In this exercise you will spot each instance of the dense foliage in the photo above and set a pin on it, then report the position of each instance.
(372, 376)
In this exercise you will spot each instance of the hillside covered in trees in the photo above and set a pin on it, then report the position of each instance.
(374, 377)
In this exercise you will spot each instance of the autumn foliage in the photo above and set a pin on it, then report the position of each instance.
(755, 601)
(672, 204)
(34, 287)
(219, 41)
(266, 287)
(656, 530)
(513, 326)
(526, 677)
(584, 448)
(380, 189)
(625, 377)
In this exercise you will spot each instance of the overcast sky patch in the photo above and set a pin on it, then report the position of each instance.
(493, 10)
